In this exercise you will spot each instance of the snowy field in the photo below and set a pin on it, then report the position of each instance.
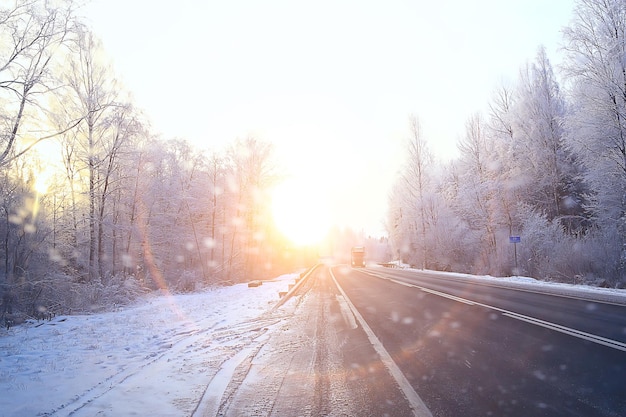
(155, 358)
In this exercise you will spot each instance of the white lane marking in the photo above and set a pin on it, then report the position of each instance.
(567, 330)
(451, 297)
(532, 320)
(346, 313)
(416, 403)
(441, 294)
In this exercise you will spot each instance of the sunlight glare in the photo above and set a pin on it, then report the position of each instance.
(300, 213)
(42, 182)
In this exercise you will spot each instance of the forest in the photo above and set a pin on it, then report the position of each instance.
(97, 209)
(545, 166)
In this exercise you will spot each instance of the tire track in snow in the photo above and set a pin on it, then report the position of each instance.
(223, 396)
(234, 369)
(200, 338)
(79, 401)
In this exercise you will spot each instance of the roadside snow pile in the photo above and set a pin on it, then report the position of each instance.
(610, 295)
(152, 359)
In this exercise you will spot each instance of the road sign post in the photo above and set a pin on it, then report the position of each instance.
(515, 240)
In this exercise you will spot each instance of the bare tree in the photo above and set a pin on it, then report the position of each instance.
(94, 95)
(254, 173)
(31, 35)
(121, 126)
(217, 184)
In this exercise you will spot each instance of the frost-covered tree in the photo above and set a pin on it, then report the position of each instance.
(253, 174)
(458, 248)
(596, 70)
(423, 228)
(508, 161)
(123, 131)
(417, 187)
(92, 98)
(545, 163)
(476, 201)
(216, 238)
(32, 33)
(529, 163)
(133, 173)
(399, 222)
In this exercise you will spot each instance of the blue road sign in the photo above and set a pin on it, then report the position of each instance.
(515, 239)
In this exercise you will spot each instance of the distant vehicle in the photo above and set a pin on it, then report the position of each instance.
(358, 256)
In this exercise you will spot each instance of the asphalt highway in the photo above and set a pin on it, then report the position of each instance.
(468, 349)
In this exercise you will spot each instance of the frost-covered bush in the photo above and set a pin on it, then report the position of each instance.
(97, 296)
(59, 293)
(547, 251)
(187, 282)
(122, 290)
(602, 252)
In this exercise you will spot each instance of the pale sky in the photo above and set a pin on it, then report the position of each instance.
(330, 82)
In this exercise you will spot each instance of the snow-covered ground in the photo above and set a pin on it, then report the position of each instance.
(155, 358)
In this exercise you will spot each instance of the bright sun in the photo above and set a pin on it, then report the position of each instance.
(42, 182)
(300, 213)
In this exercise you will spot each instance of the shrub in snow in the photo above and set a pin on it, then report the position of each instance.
(57, 293)
(187, 282)
(547, 252)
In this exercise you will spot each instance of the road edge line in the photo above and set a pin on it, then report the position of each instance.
(415, 402)
(614, 344)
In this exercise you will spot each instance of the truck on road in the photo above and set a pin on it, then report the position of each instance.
(358, 256)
